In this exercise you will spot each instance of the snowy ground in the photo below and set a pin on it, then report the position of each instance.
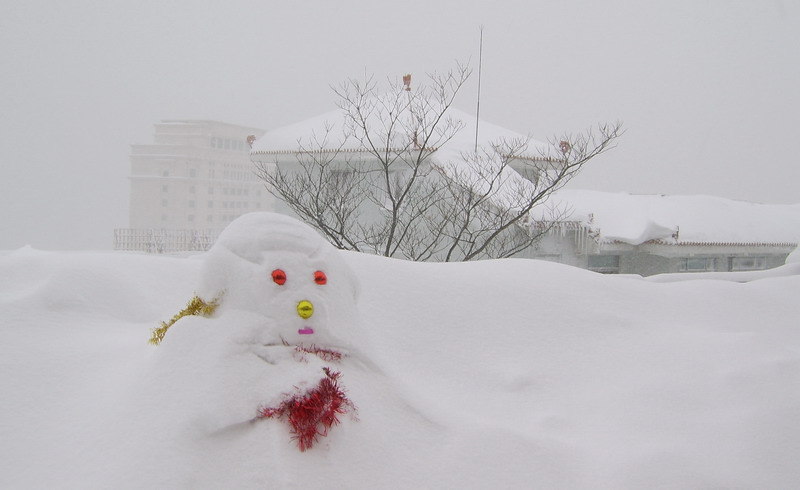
(496, 374)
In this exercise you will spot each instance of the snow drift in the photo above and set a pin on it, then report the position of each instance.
(502, 374)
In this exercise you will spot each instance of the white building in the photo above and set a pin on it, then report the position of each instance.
(609, 233)
(186, 186)
(653, 234)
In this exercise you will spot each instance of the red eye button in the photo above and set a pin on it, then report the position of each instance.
(320, 277)
(279, 277)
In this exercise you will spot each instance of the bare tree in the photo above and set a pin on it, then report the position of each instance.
(489, 214)
(388, 187)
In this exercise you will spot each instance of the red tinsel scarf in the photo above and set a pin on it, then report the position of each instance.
(313, 413)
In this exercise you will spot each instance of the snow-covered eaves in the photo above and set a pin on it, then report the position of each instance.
(328, 132)
(298, 151)
(203, 122)
(682, 220)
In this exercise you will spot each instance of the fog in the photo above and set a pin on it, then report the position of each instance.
(706, 89)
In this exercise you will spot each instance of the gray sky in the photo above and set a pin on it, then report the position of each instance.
(709, 91)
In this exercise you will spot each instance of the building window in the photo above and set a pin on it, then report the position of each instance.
(164, 188)
(211, 204)
(696, 264)
(163, 217)
(192, 172)
(605, 264)
(164, 203)
(165, 173)
(209, 218)
(191, 189)
(210, 190)
(191, 204)
(747, 263)
(190, 218)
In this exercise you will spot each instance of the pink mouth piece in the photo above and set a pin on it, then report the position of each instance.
(306, 331)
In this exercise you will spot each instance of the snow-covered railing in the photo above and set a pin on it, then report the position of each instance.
(718, 244)
(314, 151)
(160, 241)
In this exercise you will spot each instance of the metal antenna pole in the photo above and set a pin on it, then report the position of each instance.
(478, 110)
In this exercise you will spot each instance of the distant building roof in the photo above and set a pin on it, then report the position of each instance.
(328, 132)
(204, 122)
(682, 220)
(614, 217)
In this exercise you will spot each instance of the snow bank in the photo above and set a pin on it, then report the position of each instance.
(503, 374)
(794, 257)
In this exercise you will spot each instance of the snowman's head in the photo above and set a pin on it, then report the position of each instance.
(279, 268)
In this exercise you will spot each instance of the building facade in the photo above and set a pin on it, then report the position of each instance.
(611, 233)
(198, 176)
(186, 186)
(647, 234)
(578, 244)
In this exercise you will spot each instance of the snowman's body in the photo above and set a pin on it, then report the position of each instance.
(287, 310)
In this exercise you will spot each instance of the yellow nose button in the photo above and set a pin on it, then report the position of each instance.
(305, 309)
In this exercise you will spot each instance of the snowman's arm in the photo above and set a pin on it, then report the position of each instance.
(195, 306)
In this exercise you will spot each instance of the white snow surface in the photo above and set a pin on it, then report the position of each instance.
(496, 374)
(794, 257)
(635, 219)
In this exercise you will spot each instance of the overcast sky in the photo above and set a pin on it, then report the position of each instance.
(709, 91)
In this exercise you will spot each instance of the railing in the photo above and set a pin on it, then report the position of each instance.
(161, 241)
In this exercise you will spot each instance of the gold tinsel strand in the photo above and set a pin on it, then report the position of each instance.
(195, 306)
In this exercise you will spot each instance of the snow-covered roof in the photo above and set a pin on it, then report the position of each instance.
(287, 138)
(681, 220)
(613, 217)
(327, 131)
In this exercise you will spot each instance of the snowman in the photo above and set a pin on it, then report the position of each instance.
(267, 337)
